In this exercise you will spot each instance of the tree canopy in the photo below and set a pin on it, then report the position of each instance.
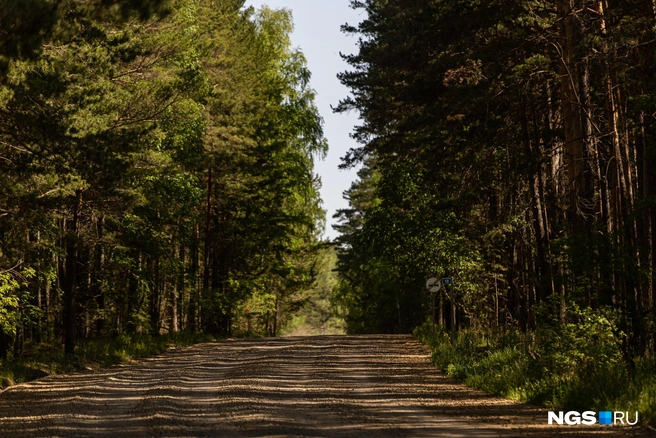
(156, 169)
(509, 145)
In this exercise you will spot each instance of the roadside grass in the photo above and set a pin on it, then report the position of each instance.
(553, 368)
(44, 359)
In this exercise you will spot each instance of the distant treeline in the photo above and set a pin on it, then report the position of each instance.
(156, 169)
(510, 145)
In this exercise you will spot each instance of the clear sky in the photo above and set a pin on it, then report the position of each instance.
(317, 33)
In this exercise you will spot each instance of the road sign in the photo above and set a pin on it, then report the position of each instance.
(433, 285)
(447, 281)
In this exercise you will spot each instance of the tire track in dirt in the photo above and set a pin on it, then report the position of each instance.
(327, 386)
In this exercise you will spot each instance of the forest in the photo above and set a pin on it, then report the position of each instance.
(156, 171)
(509, 145)
(157, 179)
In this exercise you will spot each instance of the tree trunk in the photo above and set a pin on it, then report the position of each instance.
(533, 156)
(208, 221)
(155, 293)
(96, 283)
(69, 277)
(194, 299)
(570, 80)
(5, 339)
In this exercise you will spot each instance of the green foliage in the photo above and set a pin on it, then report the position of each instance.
(156, 170)
(9, 302)
(103, 352)
(16, 309)
(317, 306)
(575, 366)
(394, 238)
(508, 145)
(41, 360)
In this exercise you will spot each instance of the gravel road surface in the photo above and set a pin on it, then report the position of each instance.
(324, 386)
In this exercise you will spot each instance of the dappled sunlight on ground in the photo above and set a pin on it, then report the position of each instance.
(324, 386)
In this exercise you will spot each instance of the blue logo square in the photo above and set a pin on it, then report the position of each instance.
(605, 417)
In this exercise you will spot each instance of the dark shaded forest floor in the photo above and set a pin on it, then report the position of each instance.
(326, 386)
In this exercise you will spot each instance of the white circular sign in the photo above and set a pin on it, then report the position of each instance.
(433, 284)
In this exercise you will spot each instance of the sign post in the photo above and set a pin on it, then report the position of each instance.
(448, 281)
(434, 285)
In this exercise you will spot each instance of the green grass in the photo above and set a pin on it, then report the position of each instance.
(556, 369)
(45, 359)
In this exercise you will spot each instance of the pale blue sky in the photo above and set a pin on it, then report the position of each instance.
(317, 32)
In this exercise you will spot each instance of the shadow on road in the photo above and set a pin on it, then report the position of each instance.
(341, 386)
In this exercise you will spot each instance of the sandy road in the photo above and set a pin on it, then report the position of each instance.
(342, 386)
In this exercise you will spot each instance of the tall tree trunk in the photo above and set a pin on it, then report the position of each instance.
(19, 341)
(69, 276)
(155, 294)
(97, 279)
(194, 298)
(646, 137)
(208, 222)
(177, 288)
(5, 339)
(533, 155)
(570, 80)
(574, 79)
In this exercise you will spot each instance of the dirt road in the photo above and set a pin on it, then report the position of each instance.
(342, 386)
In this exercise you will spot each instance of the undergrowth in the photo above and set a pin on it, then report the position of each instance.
(575, 366)
(45, 359)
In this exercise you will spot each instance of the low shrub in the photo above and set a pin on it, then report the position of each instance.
(44, 359)
(577, 365)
